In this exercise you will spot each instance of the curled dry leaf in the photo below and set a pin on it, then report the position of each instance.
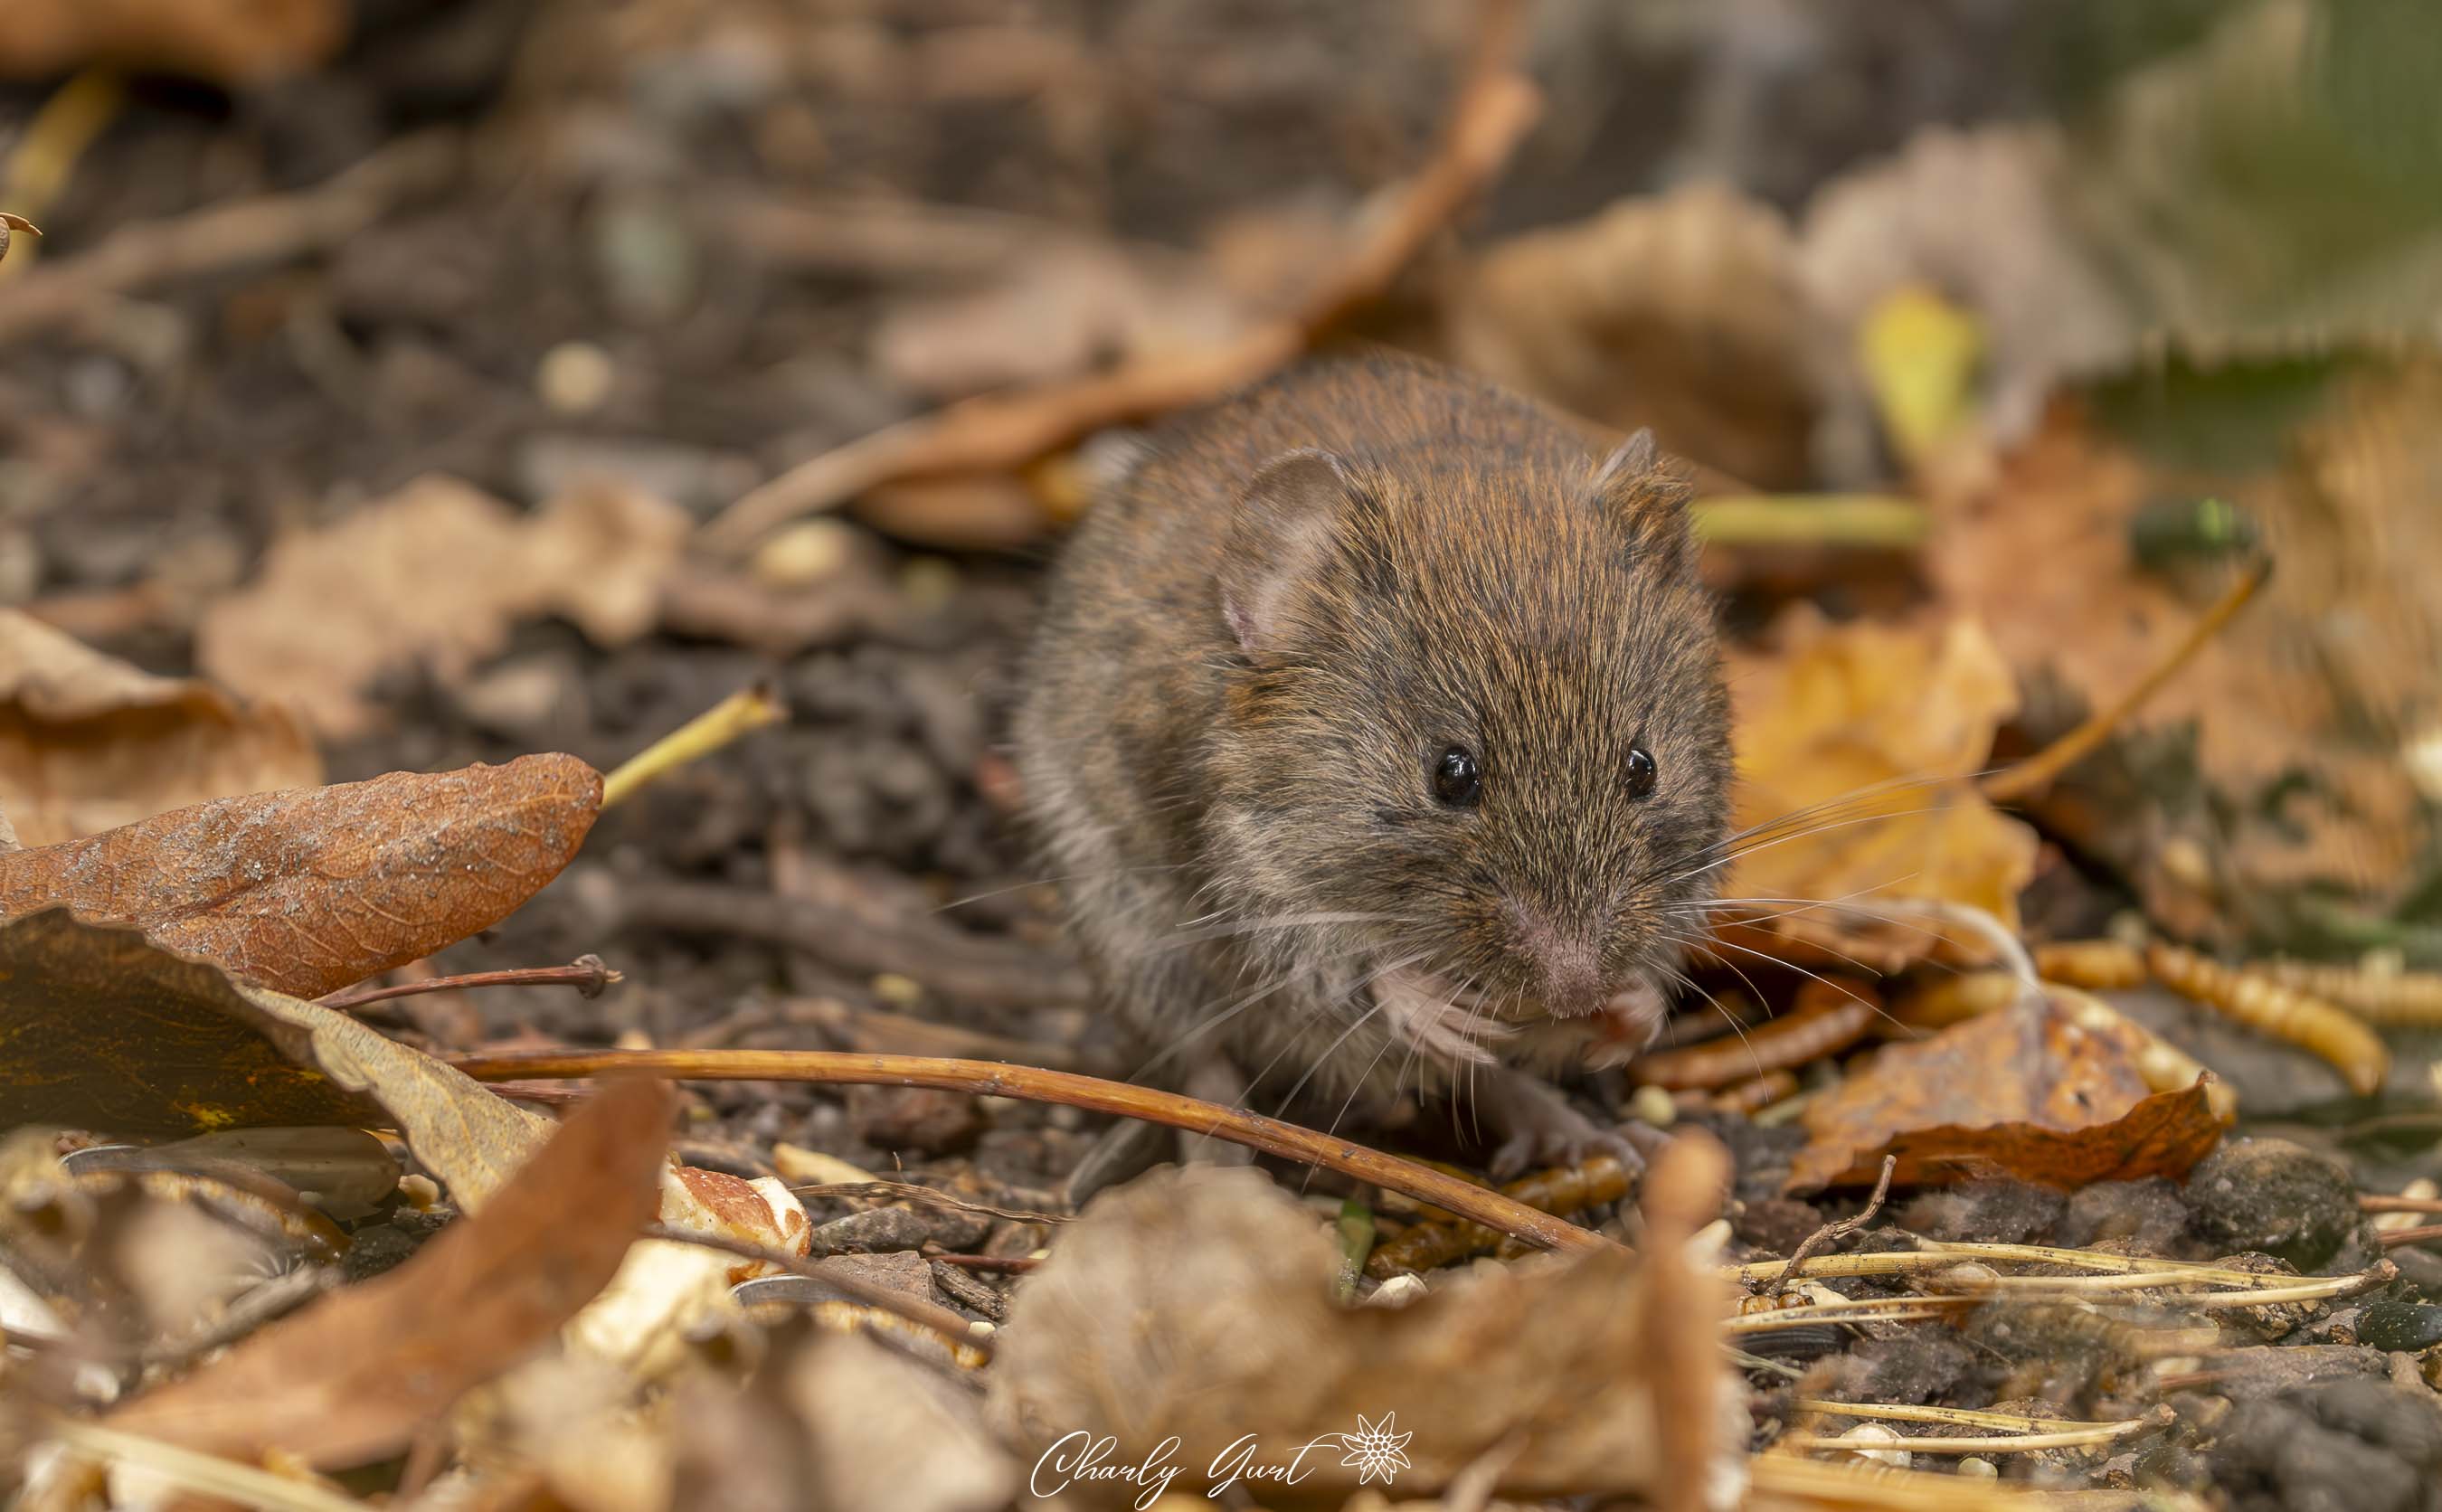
(435, 576)
(641, 1318)
(351, 1380)
(89, 742)
(1856, 744)
(101, 1030)
(1230, 1283)
(2039, 1091)
(1680, 312)
(11, 226)
(229, 42)
(311, 890)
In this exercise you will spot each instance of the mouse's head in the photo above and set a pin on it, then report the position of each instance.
(1476, 732)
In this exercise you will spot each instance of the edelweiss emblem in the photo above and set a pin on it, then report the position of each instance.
(1374, 1448)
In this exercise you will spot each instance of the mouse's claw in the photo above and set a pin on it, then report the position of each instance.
(1544, 1128)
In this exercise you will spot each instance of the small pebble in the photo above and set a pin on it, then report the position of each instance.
(1981, 1469)
(805, 553)
(575, 378)
(1866, 1434)
(421, 1191)
(901, 992)
(1396, 1292)
(1654, 1105)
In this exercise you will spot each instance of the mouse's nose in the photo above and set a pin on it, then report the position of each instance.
(1567, 963)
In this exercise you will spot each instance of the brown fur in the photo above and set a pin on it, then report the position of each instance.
(1459, 574)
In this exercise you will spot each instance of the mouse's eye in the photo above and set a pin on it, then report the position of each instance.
(1457, 780)
(1641, 772)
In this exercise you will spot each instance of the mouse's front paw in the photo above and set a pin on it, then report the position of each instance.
(1541, 1127)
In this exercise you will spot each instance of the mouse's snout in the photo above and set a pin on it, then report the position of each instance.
(1564, 962)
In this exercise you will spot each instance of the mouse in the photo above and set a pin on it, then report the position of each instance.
(1375, 733)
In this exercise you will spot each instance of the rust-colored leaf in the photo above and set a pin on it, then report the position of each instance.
(89, 742)
(2035, 1090)
(101, 1030)
(350, 1379)
(308, 890)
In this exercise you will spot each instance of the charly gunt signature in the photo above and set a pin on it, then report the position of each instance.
(1376, 1450)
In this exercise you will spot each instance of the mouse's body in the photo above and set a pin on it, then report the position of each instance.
(1376, 733)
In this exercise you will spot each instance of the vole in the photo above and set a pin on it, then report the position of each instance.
(1376, 729)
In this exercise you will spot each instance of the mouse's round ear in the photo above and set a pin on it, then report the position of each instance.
(1648, 496)
(1287, 535)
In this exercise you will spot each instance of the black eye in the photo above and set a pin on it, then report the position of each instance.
(1457, 781)
(1641, 772)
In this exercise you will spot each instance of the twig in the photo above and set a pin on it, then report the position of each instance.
(1013, 1265)
(1683, 1307)
(2039, 771)
(1784, 1479)
(1560, 1192)
(2098, 1433)
(2422, 1234)
(1957, 1416)
(915, 1309)
(971, 968)
(742, 713)
(909, 1191)
(587, 974)
(1844, 1227)
(1875, 521)
(267, 229)
(987, 1078)
(997, 432)
(2377, 1203)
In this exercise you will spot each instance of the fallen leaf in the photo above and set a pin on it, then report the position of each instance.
(102, 1029)
(1856, 744)
(2039, 1091)
(89, 742)
(1058, 310)
(890, 1436)
(1682, 312)
(644, 1318)
(434, 577)
(309, 890)
(1199, 1304)
(351, 1380)
(229, 42)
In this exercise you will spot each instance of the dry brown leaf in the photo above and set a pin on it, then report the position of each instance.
(1881, 727)
(311, 890)
(99, 1029)
(351, 1380)
(1198, 1303)
(89, 742)
(434, 577)
(1063, 308)
(231, 42)
(2302, 714)
(1680, 312)
(2037, 1091)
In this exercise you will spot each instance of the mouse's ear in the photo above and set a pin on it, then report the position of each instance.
(1648, 496)
(1287, 536)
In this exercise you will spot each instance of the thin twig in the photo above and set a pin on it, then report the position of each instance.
(587, 974)
(909, 1191)
(267, 229)
(987, 1078)
(1844, 1228)
(2422, 1234)
(915, 1309)
(2039, 771)
(742, 713)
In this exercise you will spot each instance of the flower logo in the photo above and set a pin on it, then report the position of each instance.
(1375, 1449)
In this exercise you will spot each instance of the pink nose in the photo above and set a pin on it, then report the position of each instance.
(1569, 964)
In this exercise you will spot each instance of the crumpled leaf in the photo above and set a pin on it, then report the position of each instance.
(435, 576)
(351, 1379)
(2039, 1090)
(101, 1030)
(1199, 1303)
(1680, 312)
(1877, 730)
(89, 742)
(311, 890)
(643, 1317)
(229, 42)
